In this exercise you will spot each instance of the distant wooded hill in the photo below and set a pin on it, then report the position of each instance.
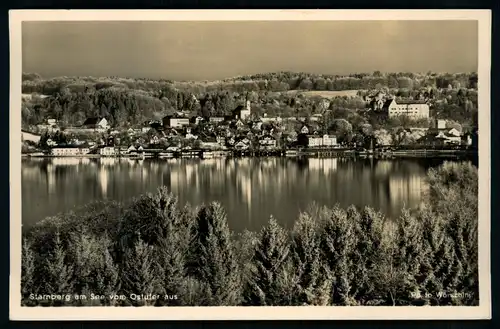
(280, 81)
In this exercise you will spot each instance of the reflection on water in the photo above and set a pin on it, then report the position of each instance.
(250, 189)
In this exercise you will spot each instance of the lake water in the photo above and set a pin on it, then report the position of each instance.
(250, 189)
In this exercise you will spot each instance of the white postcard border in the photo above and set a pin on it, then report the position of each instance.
(483, 311)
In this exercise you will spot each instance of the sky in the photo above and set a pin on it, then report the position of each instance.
(223, 49)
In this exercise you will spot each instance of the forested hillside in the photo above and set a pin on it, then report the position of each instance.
(130, 101)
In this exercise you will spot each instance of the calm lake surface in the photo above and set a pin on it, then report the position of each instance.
(250, 189)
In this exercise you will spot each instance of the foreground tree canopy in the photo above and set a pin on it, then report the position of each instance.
(332, 256)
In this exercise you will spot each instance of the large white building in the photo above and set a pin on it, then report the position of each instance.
(70, 151)
(322, 141)
(411, 108)
(107, 151)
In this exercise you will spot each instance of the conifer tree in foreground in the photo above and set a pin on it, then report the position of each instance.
(338, 243)
(368, 261)
(272, 282)
(86, 258)
(95, 269)
(108, 278)
(139, 273)
(172, 243)
(409, 256)
(313, 275)
(217, 265)
(433, 234)
(27, 271)
(58, 275)
(454, 197)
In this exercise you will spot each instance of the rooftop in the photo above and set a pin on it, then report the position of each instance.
(410, 101)
(91, 121)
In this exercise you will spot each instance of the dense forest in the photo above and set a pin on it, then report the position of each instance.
(332, 256)
(130, 101)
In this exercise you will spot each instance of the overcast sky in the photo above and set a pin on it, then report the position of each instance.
(215, 50)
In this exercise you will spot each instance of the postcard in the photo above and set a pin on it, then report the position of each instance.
(250, 164)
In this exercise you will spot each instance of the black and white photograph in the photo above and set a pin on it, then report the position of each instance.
(208, 161)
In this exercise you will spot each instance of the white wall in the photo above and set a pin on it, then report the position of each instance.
(29, 137)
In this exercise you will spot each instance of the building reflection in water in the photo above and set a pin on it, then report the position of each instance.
(405, 191)
(250, 189)
(245, 187)
(326, 165)
(51, 178)
(103, 180)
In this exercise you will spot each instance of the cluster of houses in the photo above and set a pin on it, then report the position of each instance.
(441, 135)
(239, 131)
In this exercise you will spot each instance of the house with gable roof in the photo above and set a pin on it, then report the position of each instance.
(96, 123)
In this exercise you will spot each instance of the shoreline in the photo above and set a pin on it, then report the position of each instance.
(202, 154)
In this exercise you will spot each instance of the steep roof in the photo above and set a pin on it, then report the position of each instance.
(387, 102)
(91, 121)
(168, 117)
(239, 108)
(410, 101)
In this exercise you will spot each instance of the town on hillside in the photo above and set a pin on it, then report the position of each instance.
(246, 131)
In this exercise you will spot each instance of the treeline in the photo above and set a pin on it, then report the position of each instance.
(279, 81)
(375, 80)
(332, 256)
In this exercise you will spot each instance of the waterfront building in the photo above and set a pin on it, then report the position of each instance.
(314, 140)
(322, 141)
(212, 143)
(69, 151)
(329, 140)
(267, 142)
(107, 151)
